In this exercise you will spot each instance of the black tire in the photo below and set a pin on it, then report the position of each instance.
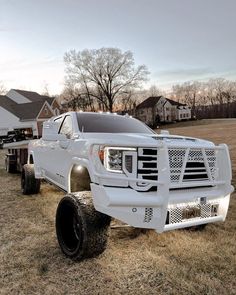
(10, 164)
(29, 184)
(82, 232)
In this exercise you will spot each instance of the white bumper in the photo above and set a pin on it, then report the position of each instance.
(161, 212)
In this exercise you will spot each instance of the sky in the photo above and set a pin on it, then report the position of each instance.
(178, 40)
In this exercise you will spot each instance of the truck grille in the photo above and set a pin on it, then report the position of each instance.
(196, 165)
(176, 161)
(147, 165)
(186, 165)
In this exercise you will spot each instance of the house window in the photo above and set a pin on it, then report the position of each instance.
(181, 116)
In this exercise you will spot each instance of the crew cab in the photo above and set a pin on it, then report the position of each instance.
(115, 166)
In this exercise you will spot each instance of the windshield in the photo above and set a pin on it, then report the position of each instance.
(108, 123)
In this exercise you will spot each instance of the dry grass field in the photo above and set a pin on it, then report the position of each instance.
(177, 262)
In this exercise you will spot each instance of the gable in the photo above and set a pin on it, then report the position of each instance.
(55, 105)
(45, 112)
(161, 101)
(168, 104)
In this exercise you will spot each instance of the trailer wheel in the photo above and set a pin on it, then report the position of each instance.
(82, 231)
(10, 164)
(29, 184)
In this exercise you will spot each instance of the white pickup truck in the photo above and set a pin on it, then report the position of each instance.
(115, 166)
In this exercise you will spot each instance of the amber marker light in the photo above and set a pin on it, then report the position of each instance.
(101, 155)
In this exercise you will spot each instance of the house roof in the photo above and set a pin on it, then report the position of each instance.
(34, 96)
(29, 111)
(153, 100)
(176, 103)
(149, 102)
(8, 104)
(24, 111)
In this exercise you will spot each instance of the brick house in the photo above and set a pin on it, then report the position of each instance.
(156, 109)
(26, 110)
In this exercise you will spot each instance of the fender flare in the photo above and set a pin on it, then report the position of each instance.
(84, 163)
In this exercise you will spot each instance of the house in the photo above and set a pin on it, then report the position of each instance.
(156, 109)
(26, 110)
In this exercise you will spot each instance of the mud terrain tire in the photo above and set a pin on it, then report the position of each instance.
(82, 231)
(29, 184)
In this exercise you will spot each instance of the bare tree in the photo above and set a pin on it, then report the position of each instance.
(188, 93)
(106, 74)
(128, 102)
(45, 89)
(75, 98)
(154, 91)
(215, 98)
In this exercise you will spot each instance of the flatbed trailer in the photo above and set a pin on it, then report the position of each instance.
(16, 156)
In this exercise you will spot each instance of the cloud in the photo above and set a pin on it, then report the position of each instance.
(188, 74)
(184, 73)
(167, 78)
(30, 74)
(23, 64)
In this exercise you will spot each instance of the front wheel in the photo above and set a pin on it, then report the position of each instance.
(82, 231)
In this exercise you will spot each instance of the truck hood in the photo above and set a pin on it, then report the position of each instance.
(131, 139)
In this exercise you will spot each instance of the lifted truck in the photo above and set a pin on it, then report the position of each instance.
(115, 166)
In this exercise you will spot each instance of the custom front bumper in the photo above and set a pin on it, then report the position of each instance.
(148, 210)
(176, 202)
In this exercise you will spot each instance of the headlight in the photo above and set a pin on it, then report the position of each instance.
(113, 158)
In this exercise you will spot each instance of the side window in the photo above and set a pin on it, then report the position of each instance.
(58, 121)
(66, 127)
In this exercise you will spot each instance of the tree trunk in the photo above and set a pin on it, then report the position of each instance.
(110, 106)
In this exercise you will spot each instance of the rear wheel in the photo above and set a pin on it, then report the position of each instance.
(82, 231)
(29, 184)
(10, 163)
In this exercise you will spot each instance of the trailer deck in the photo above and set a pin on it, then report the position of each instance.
(16, 145)
(16, 156)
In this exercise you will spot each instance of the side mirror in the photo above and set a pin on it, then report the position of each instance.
(50, 130)
(63, 141)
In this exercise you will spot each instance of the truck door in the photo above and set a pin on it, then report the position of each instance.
(61, 153)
